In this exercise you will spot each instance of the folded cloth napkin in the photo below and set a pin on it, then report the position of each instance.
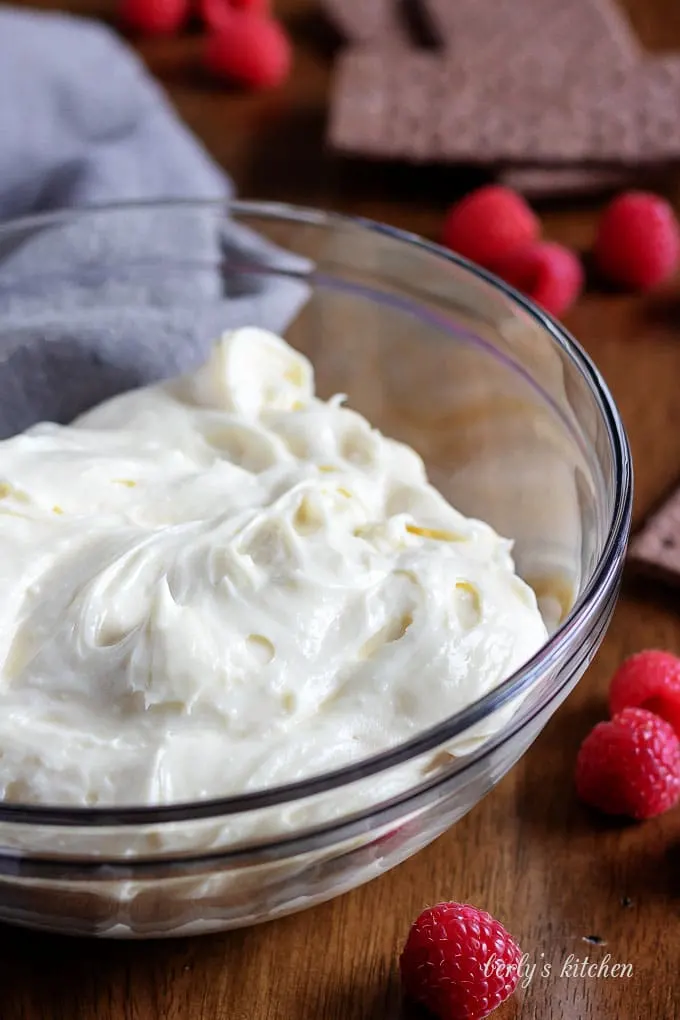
(82, 122)
(96, 302)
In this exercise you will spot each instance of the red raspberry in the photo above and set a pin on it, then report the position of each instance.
(650, 680)
(154, 17)
(459, 962)
(488, 224)
(630, 765)
(638, 240)
(217, 13)
(250, 49)
(548, 273)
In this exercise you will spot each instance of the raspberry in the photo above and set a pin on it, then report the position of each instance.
(630, 765)
(488, 224)
(250, 49)
(650, 680)
(154, 17)
(217, 13)
(548, 273)
(459, 962)
(638, 240)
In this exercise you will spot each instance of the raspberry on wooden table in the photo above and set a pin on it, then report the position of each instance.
(488, 224)
(630, 765)
(651, 680)
(548, 273)
(250, 49)
(459, 962)
(638, 240)
(154, 17)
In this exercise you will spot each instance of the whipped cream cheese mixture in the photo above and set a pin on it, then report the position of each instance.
(224, 583)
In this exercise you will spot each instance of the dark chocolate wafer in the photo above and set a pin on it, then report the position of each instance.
(359, 115)
(567, 110)
(561, 111)
(585, 180)
(656, 549)
(364, 20)
(536, 182)
(501, 31)
(491, 32)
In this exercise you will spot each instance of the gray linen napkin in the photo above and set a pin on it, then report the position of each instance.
(102, 301)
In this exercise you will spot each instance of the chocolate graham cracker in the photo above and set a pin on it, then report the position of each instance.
(656, 549)
(394, 103)
(513, 84)
(365, 20)
(538, 182)
(496, 33)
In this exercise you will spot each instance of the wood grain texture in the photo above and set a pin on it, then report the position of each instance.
(529, 853)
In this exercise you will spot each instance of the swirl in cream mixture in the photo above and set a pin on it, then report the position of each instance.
(223, 583)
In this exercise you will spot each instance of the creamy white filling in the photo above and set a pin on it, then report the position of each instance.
(224, 583)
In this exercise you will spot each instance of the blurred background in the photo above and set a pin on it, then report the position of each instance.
(272, 143)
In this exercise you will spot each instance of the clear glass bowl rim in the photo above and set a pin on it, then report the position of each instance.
(583, 616)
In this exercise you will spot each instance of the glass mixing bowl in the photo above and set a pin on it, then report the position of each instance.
(516, 427)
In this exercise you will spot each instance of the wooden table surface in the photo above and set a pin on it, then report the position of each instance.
(528, 853)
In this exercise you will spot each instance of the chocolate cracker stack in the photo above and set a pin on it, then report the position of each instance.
(555, 97)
